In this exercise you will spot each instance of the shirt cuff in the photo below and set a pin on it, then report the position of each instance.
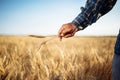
(77, 25)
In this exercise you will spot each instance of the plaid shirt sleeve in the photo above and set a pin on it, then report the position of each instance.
(92, 11)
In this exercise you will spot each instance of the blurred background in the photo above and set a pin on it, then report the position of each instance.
(45, 17)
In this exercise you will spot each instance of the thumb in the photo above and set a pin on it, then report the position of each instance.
(68, 35)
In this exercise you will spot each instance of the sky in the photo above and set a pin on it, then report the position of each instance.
(45, 17)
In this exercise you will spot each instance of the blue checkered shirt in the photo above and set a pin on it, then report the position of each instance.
(92, 11)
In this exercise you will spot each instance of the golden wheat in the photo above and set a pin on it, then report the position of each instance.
(46, 58)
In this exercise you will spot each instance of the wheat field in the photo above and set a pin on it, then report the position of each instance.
(47, 58)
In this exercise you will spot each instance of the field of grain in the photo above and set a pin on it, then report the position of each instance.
(47, 58)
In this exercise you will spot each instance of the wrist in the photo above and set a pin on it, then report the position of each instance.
(78, 26)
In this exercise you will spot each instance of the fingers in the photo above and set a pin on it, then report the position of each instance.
(65, 33)
(67, 30)
(62, 31)
(59, 33)
(68, 35)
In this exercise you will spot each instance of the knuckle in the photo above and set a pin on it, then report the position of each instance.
(63, 25)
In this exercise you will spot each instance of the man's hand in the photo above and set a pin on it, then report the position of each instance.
(67, 30)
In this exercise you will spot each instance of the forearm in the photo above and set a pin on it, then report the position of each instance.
(89, 14)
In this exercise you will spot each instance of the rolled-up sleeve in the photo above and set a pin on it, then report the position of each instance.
(89, 14)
